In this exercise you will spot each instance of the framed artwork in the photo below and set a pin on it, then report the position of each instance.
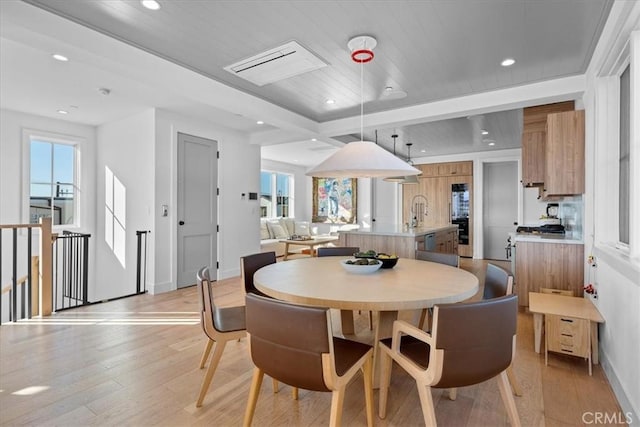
(334, 200)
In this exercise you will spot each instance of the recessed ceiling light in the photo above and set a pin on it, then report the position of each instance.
(63, 112)
(260, 122)
(507, 62)
(330, 101)
(388, 88)
(423, 151)
(484, 132)
(151, 4)
(59, 57)
(491, 144)
(314, 139)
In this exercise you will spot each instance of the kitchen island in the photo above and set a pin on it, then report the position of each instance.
(402, 241)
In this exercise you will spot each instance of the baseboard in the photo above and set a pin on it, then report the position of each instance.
(628, 412)
(160, 288)
(225, 274)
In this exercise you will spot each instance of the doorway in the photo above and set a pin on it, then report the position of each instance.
(500, 207)
(197, 207)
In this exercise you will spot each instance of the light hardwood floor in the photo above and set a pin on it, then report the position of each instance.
(135, 362)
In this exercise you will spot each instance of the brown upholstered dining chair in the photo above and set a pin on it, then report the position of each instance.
(295, 345)
(338, 251)
(470, 343)
(249, 264)
(220, 324)
(441, 258)
(498, 282)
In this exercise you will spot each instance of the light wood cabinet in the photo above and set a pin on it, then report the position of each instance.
(568, 335)
(553, 150)
(446, 169)
(564, 154)
(447, 241)
(534, 137)
(533, 155)
(548, 265)
(435, 185)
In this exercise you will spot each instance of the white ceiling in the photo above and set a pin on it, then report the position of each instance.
(433, 50)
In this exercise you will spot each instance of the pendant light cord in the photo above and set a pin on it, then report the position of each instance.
(361, 101)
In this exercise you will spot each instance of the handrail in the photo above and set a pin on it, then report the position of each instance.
(21, 281)
(38, 296)
(20, 225)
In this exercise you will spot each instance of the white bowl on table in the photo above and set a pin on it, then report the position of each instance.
(358, 268)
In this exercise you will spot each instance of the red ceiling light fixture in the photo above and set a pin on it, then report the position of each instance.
(361, 48)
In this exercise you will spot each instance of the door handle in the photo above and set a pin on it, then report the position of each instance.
(181, 223)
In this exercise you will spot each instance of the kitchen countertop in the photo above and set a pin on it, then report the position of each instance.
(398, 230)
(547, 238)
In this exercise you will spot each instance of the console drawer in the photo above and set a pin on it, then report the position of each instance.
(567, 335)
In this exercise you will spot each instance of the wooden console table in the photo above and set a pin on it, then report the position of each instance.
(311, 243)
(571, 325)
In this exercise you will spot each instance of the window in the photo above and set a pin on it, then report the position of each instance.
(115, 207)
(625, 154)
(276, 194)
(52, 181)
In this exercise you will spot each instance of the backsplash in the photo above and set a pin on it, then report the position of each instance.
(570, 212)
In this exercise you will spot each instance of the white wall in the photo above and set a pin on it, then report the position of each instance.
(617, 275)
(238, 172)
(126, 147)
(12, 175)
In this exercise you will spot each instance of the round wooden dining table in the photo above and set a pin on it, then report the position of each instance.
(323, 282)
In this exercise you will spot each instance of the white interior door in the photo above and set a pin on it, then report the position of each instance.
(500, 206)
(197, 207)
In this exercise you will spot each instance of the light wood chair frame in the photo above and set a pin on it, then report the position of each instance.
(214, 336)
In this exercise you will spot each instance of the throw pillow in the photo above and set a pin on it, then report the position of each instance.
(302, 228)
(278, 231)
(264, 231)
(271, 222)
(288, 225)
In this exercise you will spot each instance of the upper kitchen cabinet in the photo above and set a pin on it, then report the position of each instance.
(446, 169)
(564, 154)
(534, 138)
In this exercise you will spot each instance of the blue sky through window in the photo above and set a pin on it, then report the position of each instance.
(44, 156)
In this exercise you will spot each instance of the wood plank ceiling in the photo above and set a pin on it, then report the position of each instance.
(432, 50)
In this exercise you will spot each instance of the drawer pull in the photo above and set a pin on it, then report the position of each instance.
(566, 335)
(566, 320)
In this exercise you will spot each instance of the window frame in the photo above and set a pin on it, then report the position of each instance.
(623, 246)
(29, 135)
(605, 237)
(291, 201)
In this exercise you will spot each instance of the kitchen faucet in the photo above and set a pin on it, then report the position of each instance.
(418, 209)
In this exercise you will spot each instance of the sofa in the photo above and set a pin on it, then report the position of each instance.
(275, 229)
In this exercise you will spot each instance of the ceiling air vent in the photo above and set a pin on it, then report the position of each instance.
(276, 64)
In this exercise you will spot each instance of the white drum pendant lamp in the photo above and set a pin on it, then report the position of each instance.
(362, 159)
